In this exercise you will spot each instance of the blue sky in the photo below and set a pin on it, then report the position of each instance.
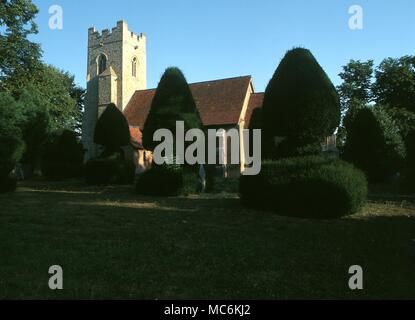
(213, 39)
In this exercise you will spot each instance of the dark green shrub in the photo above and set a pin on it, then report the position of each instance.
(409, 177)
(173, 101)
(11, 143)
(35, 126)
(310, 187)
(113, 169)
(300, 103)
(404, 120)
(112, 131)
(297, 147)
(373, 144)
(161, 180)
(7, 183)
(210, 171)
(191, 181)
(62, 156)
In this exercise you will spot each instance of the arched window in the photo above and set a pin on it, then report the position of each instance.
(102, 63)
(134, 67)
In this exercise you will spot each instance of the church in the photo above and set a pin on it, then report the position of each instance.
(116, 73)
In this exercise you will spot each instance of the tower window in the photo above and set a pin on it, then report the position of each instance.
(102, 63)
(134, 67)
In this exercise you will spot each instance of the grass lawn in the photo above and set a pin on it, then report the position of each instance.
(112, 243)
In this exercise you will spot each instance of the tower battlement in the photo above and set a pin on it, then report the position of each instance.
(118, 33)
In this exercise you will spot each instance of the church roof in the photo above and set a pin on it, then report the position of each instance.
(255, 101)
(136, 137)
(219, 102)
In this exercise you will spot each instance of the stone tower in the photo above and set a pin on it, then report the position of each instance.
(116, 69)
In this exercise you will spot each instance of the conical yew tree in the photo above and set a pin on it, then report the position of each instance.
(301, 105)
(112, 130)
(173, 101)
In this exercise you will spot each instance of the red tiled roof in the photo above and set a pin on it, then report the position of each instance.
(255, 101)
(138, 107)
(219, 102)
(136, 135)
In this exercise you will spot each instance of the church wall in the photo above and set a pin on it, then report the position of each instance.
(242, 125)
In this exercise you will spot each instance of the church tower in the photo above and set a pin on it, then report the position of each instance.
(116, 69)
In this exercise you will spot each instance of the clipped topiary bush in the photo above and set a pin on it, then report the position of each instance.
(160, 180)
(297, 147)
(300, 104)
(173, 101)
(191, 181)
(309, 187)
(62, 156)
(112, 131)
(113, 169)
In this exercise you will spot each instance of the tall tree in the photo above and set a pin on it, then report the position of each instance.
(49, 102)
(357, 83)
(393, 88)
(34, 124)
(11, 143)
(78, 93)
(19, 57)
(301, 105)
(395, 83)
(61, 97)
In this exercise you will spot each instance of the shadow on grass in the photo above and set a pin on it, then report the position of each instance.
(115, 244)
(391, 193)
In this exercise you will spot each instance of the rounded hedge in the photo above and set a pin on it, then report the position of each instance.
(109, 170)
(168, 180)
(160, 180)
(309, 187)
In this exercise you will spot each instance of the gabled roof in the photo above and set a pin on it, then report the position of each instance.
(255, 101)
(138, 107)
(219, 102)
(136, 137)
